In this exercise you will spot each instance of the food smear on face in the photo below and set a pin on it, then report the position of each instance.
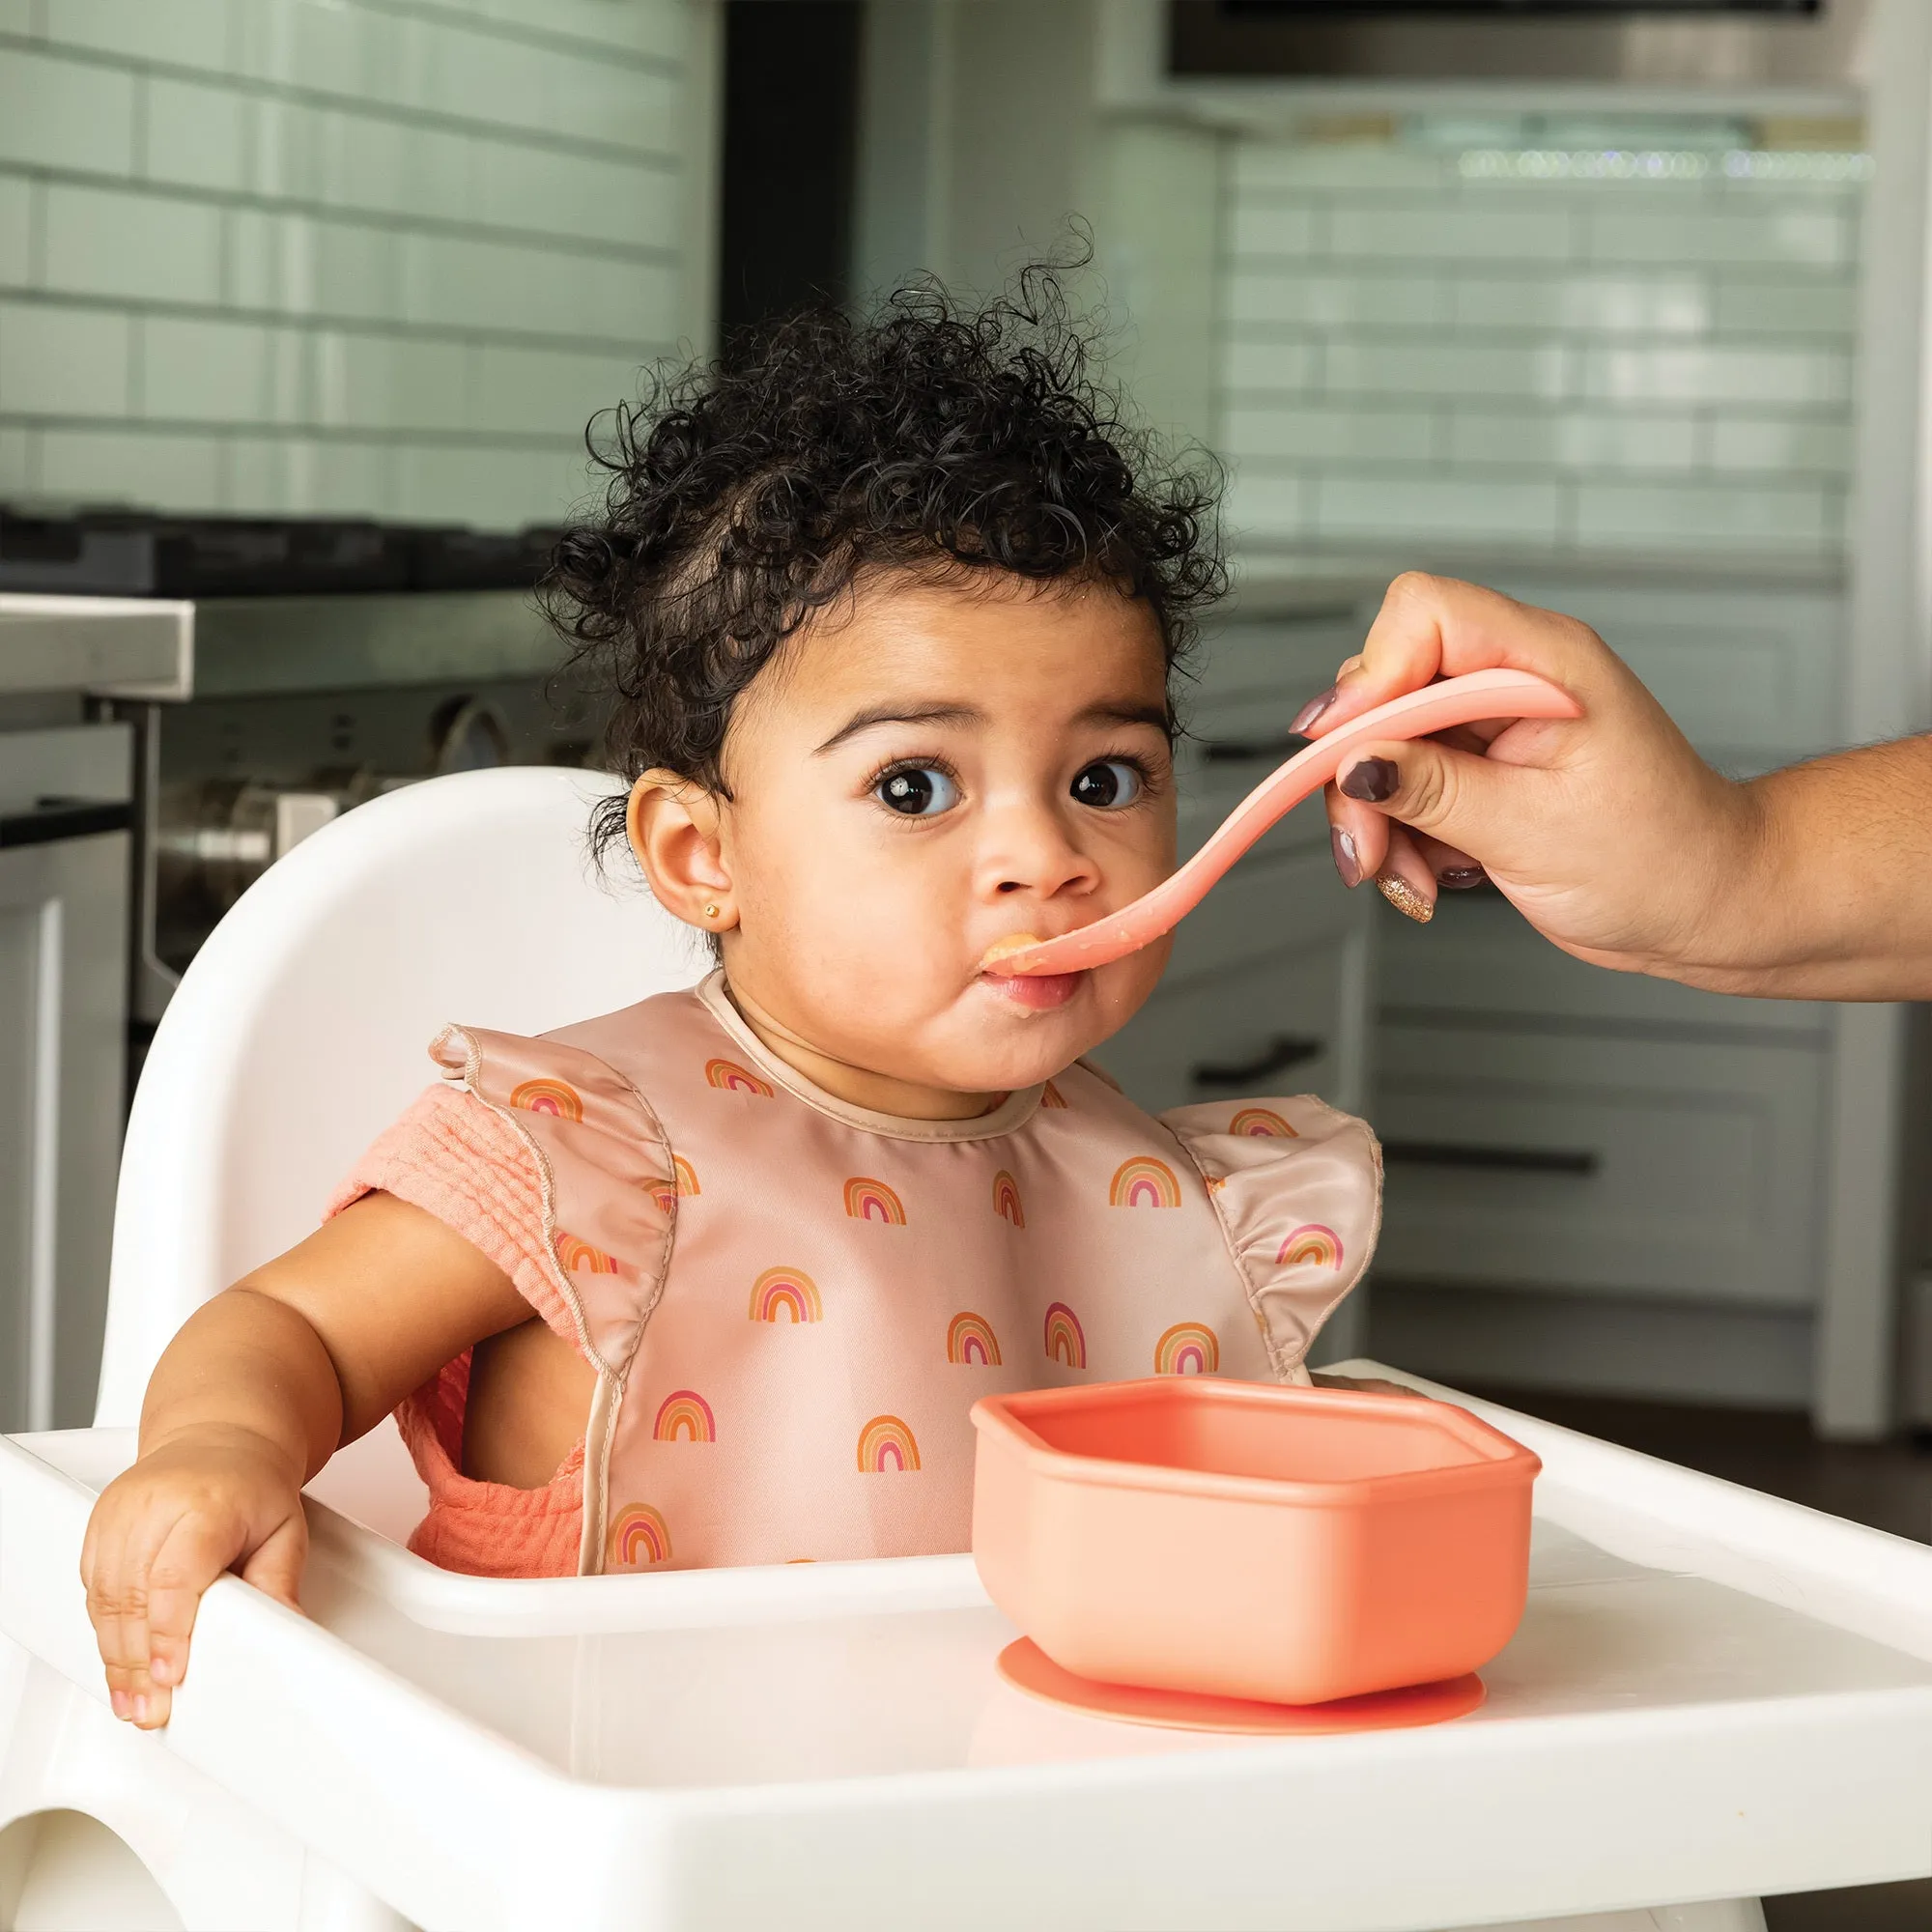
(1001, 949)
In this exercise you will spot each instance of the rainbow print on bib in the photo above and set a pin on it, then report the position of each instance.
(868, 1200)
(1143, 1182)
(1065, 1339)
(1187, 1348)
(786, 1292)
(735, 1079)
(578, 1256)
(556, 1097)
(684, 1414)
(1262, 1123)
(970, 1339)
(638, 1535)
(683, 1180)
(886, 1444)
(1312, 1242)
(1006, 1199)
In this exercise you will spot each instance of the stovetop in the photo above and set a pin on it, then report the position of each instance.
(114, 553)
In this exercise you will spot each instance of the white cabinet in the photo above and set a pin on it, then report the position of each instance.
(1602, 1163)
(1598, 1179)
(64, 866)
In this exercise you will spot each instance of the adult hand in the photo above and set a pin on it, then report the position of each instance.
(1608, 831)
(1611, 836)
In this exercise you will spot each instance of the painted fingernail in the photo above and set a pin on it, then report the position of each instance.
(1347, 861)
(1406, 899)
(1372, 780)
(1299, 725)
(1460, 878)
(124, 1705)
(141, 1707)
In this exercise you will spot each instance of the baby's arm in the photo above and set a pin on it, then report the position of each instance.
(258, 1390)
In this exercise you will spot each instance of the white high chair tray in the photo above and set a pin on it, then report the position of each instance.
(1713, 1695)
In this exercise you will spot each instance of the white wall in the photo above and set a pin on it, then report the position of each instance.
(372, 256)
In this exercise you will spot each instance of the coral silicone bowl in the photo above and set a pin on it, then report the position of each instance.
(1242, 1540)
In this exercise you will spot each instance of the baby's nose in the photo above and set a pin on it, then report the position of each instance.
(1029, 852)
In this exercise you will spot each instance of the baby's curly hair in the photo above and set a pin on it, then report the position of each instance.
(746, 494)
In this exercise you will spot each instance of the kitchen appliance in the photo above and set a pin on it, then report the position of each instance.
(313, 663)
(1670, 44)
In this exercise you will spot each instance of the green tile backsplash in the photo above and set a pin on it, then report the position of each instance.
(1582, 351)
(373, 256)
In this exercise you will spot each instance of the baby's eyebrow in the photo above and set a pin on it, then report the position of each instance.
(1156, 715)
(895, 714)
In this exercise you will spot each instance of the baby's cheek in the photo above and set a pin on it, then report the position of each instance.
(1125, 987)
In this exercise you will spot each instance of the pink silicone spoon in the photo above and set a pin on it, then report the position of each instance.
(1436, 707)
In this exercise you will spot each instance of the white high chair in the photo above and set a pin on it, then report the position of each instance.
(1713, 1694)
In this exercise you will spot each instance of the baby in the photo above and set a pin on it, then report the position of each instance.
(890, 614)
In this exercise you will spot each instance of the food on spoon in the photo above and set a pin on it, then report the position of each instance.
(1001, 949)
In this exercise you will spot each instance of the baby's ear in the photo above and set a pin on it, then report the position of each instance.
(672, 823)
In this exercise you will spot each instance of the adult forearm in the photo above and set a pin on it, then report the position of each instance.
(247, 1364)
(1832, 900)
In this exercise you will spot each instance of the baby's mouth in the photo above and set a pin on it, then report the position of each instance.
(1035, 993)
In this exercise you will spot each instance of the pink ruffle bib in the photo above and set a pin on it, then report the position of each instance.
(791, 1303)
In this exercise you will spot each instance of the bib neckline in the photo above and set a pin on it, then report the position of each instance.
(1013, 1111)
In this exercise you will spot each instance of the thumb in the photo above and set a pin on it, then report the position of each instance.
(1459, 797)
(276, 1565)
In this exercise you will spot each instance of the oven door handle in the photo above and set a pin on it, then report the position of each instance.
(53, 819)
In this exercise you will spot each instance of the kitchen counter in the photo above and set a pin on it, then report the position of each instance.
(1285, 581)
(116, 646)
(234, 646)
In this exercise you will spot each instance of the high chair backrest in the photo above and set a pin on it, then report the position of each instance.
(301, 1029)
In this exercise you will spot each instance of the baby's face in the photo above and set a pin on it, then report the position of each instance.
(928, 770)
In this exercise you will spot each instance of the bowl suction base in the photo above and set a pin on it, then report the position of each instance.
(1027, 1668)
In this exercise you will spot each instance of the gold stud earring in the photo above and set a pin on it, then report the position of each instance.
(711, 912)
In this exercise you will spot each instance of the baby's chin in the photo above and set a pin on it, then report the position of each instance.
(1003, 1053)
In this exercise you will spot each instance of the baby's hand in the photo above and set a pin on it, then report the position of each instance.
(196, 1504)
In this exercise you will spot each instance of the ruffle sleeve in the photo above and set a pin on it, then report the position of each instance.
(1298, 1190)
(555, 1166)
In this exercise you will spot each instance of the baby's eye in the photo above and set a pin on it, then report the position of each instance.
(918, 791)
(1107, 783)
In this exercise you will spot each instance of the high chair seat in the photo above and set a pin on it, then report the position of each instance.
(1713, 1694)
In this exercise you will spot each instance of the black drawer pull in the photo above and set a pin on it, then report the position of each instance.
(1244, 751)
(1515, 1160)
(1283, 1051)
(53, 819)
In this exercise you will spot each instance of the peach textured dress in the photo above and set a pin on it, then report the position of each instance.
(791, 1303)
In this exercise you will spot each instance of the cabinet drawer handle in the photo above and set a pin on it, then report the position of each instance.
(1515, 1160)
(1244, 751)
(1283, 1051)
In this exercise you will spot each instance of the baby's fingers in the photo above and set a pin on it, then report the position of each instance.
(195, 1550)
(114, 1575)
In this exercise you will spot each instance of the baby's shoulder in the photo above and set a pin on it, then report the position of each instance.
(1229, 1135)
(1295, 1181)
(603, 1072)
